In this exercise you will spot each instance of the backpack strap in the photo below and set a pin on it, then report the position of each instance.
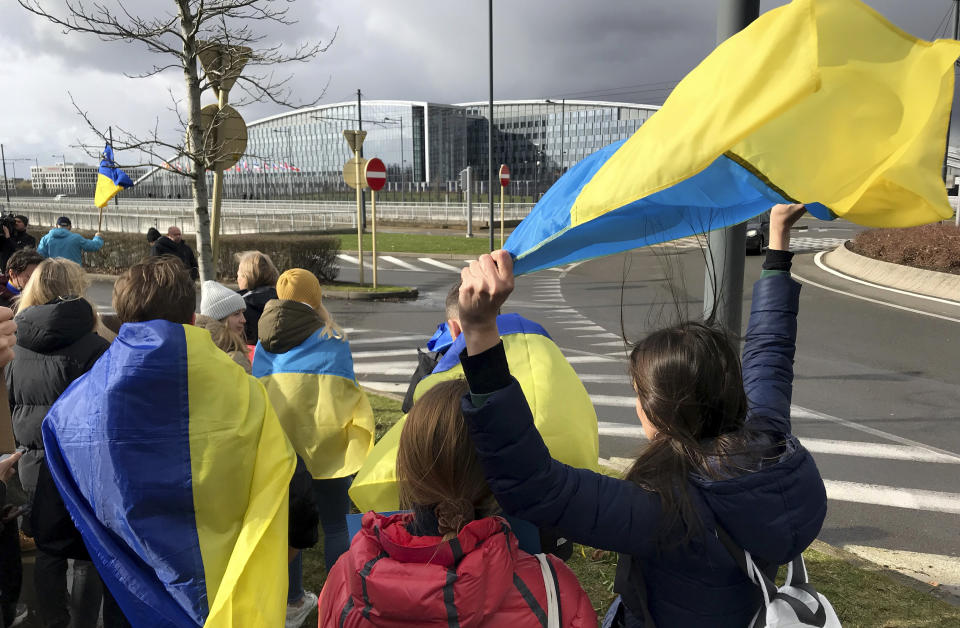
(630, 584)
(743, 559)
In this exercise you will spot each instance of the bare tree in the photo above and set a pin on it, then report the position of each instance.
(180, 31)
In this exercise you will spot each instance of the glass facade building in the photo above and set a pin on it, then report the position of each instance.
(301, 154)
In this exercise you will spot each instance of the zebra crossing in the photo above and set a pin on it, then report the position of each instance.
(388, 367)
(798, 244)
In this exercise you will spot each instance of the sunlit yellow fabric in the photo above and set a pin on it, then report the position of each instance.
(823, 99)
(327, 418)
(241, 466)
(560, 404)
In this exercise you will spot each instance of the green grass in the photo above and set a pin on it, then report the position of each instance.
(863, 598)
(356, 287)
(419, 243)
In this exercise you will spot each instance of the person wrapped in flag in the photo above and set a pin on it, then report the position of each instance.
(561, 406)
(822, 102)
(174, 467)
(304, 361)
(110, 179)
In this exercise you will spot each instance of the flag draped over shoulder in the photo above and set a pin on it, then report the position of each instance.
(324, 412)
(822, 102)
(176, 471)
(561, 408)
(110, 179)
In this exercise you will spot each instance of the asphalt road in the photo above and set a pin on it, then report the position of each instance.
(876, 395)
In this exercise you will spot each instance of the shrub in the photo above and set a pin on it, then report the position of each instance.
(932, 247)
(316, 253)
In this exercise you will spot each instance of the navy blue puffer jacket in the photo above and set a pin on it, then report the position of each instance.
(774, 510)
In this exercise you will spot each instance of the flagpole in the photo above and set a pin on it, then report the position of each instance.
(116, 198)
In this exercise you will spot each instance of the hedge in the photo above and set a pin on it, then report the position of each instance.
(315, 253)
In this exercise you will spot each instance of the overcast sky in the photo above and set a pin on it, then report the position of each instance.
(622, 50)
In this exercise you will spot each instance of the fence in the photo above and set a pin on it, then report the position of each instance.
(238, 216)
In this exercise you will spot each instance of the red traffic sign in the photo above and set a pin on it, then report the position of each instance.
(376, 174)
(504, 175)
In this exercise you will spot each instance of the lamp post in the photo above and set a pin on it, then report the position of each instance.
(400, 121)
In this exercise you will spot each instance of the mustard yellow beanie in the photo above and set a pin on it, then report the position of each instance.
(301, 285)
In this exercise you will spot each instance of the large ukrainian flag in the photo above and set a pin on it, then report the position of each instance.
(110, 179)
(176, 471)
(561, 409)
(324, 412)
(822, 102)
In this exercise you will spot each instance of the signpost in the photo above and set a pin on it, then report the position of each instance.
(376, 175)
(357, 181)
(504, 182)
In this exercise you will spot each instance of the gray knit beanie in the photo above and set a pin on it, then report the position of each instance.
(218, 301)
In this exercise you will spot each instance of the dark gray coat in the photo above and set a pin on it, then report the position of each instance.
(55, 345)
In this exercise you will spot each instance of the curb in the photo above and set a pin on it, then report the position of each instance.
(935, 590)
(358, 295)
(916, 281)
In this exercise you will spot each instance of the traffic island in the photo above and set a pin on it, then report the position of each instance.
(940, 285)
(366, 292)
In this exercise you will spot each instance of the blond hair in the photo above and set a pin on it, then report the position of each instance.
(59, 278)
(330, 327)
(257, 268)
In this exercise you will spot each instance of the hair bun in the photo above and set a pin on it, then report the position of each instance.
(453, 514)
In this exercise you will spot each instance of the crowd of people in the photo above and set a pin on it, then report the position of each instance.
(257, 391)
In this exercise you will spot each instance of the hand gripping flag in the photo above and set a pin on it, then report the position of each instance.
(324, 412)
(561, 409)
(822, 102)
(110, 179)
(176, 471)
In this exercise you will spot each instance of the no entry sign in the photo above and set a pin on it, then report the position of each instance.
(504, 175)
(376, 174)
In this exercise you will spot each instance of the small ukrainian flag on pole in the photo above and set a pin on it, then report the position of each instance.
(110, 180)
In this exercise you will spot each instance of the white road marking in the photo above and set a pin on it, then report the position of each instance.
(385, 387)
(877, 301)
(348, 258)
(876, 450)
(892, 496)
(613, 343)
(588, 359)
(361, 355)
(439, 264)
(818, 260)
(384, 368)
(399, 262)
(386, 339)
(796, 412)
(605, 334)
(615, 401)
(609, 428)
(594, 378)
(587, 328)
(563, 311)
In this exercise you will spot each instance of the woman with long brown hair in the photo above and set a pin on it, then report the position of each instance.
(721, 462)
(449, 560)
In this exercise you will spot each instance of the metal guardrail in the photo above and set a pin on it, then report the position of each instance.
(138, 215)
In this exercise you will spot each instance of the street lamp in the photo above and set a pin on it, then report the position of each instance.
(400, 121)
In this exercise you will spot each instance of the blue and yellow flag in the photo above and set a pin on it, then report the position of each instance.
(176, 471)
(561, 409)
(822, 102)
(322, 409)
(110, 179)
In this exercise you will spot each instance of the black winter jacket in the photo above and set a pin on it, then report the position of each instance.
(55, 345)
(180, 250)
(256, 300)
